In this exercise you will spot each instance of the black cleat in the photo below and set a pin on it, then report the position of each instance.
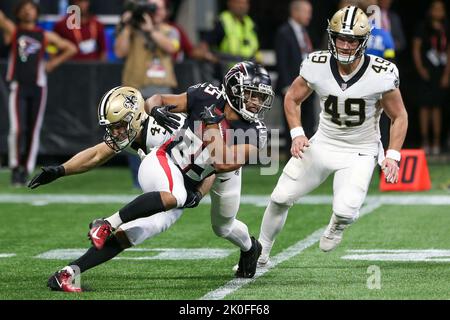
(248, 260)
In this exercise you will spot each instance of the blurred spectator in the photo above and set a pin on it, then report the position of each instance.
(3, 49)
(390, 21)
(234, 37)
(28, 81)
(431, 53)
(89, 38)
(292, 45)
(188, 50)
(147, 43)
(381, 43)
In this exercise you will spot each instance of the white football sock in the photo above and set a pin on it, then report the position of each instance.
(239, 236)
(272, 223)
(115, 221)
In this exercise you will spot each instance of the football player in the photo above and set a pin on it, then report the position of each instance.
(241, 103)
(354, 89)
(128, 127)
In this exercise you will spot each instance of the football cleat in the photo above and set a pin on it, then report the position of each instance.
(248, 260)
(99, 232)
(263, 260)
(62, 281)
(332, 235)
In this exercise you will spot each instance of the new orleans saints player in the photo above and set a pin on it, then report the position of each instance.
(128, 127)
(354, 89)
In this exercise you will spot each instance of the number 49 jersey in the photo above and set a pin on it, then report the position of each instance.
(351, 104)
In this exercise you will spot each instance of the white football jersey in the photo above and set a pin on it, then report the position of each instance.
(351, 104)
(157, 135)
(154, 135)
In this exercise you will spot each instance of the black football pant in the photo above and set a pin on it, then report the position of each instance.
(26, 112)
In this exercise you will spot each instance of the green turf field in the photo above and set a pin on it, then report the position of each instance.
(392, 252)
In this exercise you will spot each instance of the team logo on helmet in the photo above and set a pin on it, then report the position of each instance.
(348, 23)
(248, 90)
(130, 102)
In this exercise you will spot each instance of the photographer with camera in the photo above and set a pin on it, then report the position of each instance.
(147, 43)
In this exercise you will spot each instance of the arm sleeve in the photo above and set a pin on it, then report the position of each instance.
(306, 70)
(392, 78)
(192, 94)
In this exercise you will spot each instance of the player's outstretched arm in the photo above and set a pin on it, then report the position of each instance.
(177, 100)
(392, 104)
(8, 28)
(79, 163)
(298, 92)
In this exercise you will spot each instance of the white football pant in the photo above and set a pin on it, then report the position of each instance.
(352, 175)
(159, 174)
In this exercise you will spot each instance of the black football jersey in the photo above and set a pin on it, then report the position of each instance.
(26, 60)
(188, 150)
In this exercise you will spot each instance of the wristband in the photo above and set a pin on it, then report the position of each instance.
(298, 131)
(393, 154)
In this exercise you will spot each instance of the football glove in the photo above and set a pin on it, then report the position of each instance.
(193, 199)
(48, 174)
(166, 119)
(210, 116)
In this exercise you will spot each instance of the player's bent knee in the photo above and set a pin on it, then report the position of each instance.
(348, 206)
(280, 196)
(221, 231)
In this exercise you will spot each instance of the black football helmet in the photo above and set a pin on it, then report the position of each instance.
(248, 90)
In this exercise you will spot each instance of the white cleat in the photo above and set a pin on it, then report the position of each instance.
(235, 267)
(263, 260)
(332, 235)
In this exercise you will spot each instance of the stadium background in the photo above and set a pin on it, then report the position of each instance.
(70, 122)
(55, 216)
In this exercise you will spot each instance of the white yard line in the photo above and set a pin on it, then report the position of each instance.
(372, 202)
(284, 255)
(258, 200)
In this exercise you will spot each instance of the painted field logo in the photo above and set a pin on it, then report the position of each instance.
(413, 255)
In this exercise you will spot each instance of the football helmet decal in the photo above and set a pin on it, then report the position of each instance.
(349, 23)
(121, 112)
(248, 90)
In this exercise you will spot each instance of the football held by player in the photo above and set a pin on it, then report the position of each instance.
(354, 89)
